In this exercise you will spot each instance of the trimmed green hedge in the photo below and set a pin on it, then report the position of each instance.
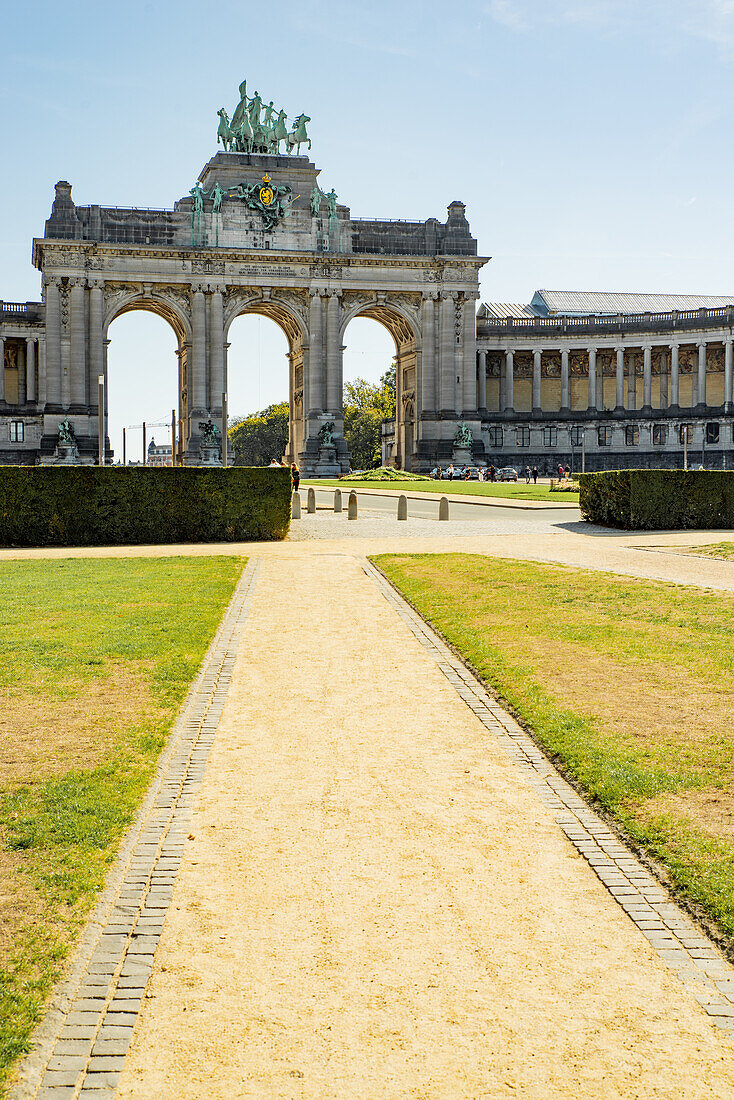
(658, 500)
(110, 506)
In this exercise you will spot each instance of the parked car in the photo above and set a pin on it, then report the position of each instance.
(507, 473)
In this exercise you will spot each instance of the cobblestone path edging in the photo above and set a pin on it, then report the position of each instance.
(80, 1047)
(678, 940)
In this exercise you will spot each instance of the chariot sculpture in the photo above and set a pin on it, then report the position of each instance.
(255, 128)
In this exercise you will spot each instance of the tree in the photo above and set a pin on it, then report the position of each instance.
(388, 382)
(362, 433)
(261, 436)
(365, 407)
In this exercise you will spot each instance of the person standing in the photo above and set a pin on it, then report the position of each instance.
(527, 475)
(535, 475)
(568, 472)
(492, 473)
(295, 476)
(560, 472)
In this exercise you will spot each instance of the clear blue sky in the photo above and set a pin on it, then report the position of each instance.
(590, 139)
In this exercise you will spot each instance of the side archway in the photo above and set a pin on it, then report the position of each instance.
(173, 306)
(142, 365)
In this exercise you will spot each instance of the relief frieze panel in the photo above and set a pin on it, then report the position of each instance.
(353, 299)
(56, 257)
(176, 294)
(64, 294)
(494, 364)
(522, 366)
(207, 267)
(578, 364)
(551, 366)
(296, 299)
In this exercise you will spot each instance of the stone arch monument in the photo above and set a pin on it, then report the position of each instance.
(257, 234)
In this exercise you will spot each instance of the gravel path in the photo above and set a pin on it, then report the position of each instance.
(372, 902)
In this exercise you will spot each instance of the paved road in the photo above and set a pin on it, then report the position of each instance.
(425, 506)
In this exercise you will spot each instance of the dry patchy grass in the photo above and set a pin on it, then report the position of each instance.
(38, 741)
(724, 550)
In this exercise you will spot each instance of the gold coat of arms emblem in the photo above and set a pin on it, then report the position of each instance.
(266, 192)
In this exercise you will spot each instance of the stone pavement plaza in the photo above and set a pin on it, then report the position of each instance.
(355, 876)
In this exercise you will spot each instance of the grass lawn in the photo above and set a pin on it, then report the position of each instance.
(627, 683)
(723, 550)
(513, 490)
(96, 656)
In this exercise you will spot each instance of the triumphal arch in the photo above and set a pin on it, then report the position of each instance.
(255, 234)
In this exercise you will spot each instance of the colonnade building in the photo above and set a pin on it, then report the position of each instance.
(610, 380)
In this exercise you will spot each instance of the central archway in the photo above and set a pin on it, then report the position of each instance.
(287, 315)
(401, 321)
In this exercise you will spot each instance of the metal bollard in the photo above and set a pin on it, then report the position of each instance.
(296, 506)
(337, 500)
(352, 509)
(402, 507)
(311, 500)
(443, 508)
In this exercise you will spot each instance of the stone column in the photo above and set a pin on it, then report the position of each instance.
(565, 386)
(197, 383)
(78, 355)
(30, 370)
(53, 343)
(21, 377)
(334, 356)
(663, 379)
(619, 378)
(647, 377)
(701, 387)
(537, 361)
(2, 369)
(314, 386)
(428, 352)
(482, 380)
(96, 339)
(105, 374)
(42, 372)
(508, 396)
(469, 400)
(728, 395)
(217, 351)
(674, 375)
(592, 379)
(447, 359)
(632, 381)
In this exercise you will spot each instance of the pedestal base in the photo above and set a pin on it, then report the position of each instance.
(210, 456)
(65, 454)
(327, 465)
